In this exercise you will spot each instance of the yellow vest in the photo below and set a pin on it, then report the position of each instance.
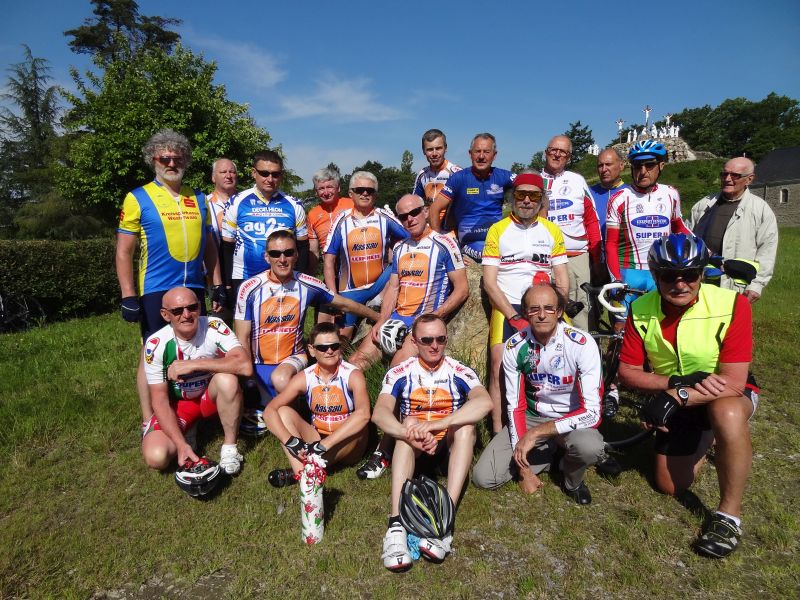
(700, 331)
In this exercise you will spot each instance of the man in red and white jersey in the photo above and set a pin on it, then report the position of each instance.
(571, 206)
(431, 179)
(440, 401)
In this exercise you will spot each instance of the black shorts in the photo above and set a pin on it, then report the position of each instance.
(151, 320)
(434, 464)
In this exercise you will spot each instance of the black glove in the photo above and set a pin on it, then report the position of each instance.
(658, 410)
(687, 380)
(131, 309)
(295, 446)
(316, 448)
(219, 295)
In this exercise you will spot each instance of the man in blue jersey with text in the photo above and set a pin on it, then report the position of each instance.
(473, 198)
(609, 168)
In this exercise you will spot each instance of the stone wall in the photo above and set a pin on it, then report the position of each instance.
(788, 213)
(678, 149)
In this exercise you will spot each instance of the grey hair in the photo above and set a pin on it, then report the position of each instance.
(363, 175)
(484, 136)
(214, 164)
(167, 139)
(615, 151)
(325, 174)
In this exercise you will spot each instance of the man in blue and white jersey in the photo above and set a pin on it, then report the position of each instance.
(432, 179)
(609, 168)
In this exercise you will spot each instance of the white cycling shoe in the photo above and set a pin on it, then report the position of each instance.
(230, 460)
(435, 550)
(396, 556)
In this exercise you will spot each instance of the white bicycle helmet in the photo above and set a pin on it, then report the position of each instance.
(200, 478)
(392, 335)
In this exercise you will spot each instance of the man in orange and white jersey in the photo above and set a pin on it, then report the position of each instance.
(270, 313)
(336, 393)
(431, 179)
(323, 215)
(440, 401)
(520, 250)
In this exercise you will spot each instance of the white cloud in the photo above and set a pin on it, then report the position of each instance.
(342, 100)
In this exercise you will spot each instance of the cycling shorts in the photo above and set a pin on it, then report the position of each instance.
(499, 327)
(151, 320)
(639, 279)
(409, 320)
(188, 412)
(363, 296)
(473, 249)
(690, 428)
(263, 374)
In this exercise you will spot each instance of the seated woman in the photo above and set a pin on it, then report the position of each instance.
(337, 398)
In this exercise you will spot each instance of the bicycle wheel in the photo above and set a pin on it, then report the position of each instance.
(20, 313)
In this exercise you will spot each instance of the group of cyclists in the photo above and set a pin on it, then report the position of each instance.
(405, 271)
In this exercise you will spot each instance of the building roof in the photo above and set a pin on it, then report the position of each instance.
(782, 164)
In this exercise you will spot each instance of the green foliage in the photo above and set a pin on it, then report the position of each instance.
(114, 114)
(68, 278)
(392, 182)
(693, 179)
(536, 163)
(581, 138)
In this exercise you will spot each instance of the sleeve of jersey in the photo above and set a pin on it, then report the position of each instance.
(154, 361)
(242, 313)
(678, 225)
(334, 242)
(318, 292)
(229, 218)
(612, 251)
(418, 189)
(453, 259)
(301, 226)
(491, 248)
(312, 232)
(225, 339)
(632, 351)
(592, 225)
(393, 382)
(515, 392)
(588, 381)
(737, 347)
(130, 216)
(396, 229)
(559, 254)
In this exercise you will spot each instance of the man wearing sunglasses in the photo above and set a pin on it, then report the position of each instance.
(361, 240)
(698, 342)
(170, 223)
(638, 215)
(520, 250)
(571, 206)
(271, 311)
(736, 223)
(440, 401)
(255, 213)
(553, 379)
(191, 366)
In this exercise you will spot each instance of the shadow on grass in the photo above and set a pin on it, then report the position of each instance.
(330, 498)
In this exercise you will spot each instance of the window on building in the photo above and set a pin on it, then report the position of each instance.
(784, 198)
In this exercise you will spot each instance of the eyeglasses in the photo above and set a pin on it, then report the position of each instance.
(548, 310)
(671, 276)
(558, 152)
(412, 213)
(265, 173)
(648, 165)
(520, 195)
(168, 160)
(363, 191)
(325, 347)
(178, 310)
(429, 339)
(288, 252)
(732, 175)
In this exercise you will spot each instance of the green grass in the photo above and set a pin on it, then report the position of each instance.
(81, 515)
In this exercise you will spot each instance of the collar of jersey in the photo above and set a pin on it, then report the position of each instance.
(427, 368)
(480, 177)
(515, 220)
(274, 279)
(334, 376)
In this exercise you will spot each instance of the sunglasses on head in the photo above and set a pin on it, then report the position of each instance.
(178, 310)
(265, 173)
(363, 191)
(325, 347)
(429, 339)
(288, 252)
(671, 276)
(412, 213)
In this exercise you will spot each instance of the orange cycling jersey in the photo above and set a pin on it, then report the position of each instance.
(331, 402)
(321, 218)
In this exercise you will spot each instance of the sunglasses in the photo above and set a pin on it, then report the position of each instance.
(264, 173)
(325, 347)
(289, 252)
(732, 175)
(178, 310)
(363, 191)
(168, 160)
(689, 276)
(648, 165)
(428, 340)
(520, 195)
(412, 213)
(557, 152)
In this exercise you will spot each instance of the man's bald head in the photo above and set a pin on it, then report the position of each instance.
(609, 167)
(557, 154)
(179, 296)
(736, 175)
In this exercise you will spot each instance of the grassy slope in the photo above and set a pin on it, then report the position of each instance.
(79, 513)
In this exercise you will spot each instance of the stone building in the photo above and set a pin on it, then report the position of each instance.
(777, 180)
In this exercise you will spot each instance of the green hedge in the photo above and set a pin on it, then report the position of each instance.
(69, 278)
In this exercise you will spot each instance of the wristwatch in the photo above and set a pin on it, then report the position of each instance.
(683, 395)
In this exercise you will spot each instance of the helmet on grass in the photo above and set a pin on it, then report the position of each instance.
(426, 509)
(678, 252)
(647, 149)
(199, 478)
(392, 335)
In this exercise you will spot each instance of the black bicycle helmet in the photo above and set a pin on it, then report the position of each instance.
(426, 509)
(647, 149)
(678, 251)
(199, 478)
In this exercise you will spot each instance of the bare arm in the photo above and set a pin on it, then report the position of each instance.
(296, 387)
(383, 416)
(168, 421)
(211, 260)
(388, 304)
(496, 296)
(477, 406)
(313, 256)
(561, 276)
(730, 381)
(350, 306)
(457, 296)
(243, 329)
(235, 362)
(329, 271)
(123, 260)
(435, 210)
(359, 418)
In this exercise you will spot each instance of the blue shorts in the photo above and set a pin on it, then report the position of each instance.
(263, 375)
(364, 295)
(407, 320)
(150, 320)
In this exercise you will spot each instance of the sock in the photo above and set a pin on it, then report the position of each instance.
(736, 520)
(395, 520)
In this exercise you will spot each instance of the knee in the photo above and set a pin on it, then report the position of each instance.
(465, 434)
(729, 413)
(585, 446)
(227, 385)
(280, 379)
(156, 456)
(665, 484)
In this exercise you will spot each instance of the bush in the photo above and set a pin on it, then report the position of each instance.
(69, 278)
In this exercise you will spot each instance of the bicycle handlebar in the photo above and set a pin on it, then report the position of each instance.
(601, 291)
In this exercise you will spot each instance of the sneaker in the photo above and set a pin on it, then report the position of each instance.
(374, 467)
(230, 460)
(281, 477)
(608, 466)
(252, 423)
(719, 538)
(395, 550)
(435, 550)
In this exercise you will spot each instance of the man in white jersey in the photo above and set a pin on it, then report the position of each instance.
(224, 177)
(191, 366)
(553, 380)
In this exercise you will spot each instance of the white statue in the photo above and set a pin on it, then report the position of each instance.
(677, 131)
(654, 130)
(647, 110)
(629, 136)
(668, 116)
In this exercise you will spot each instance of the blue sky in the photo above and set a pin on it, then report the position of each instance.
(353, 81)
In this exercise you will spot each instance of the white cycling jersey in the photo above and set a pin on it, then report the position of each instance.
(559, 380)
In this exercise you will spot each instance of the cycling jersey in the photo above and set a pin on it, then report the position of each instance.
(331, 402)
(475, 204)
(277, 312)
(429, 394)
(572, 208)
(429, 183)
(635, 220)
(322, 217)
(559, 380)
(216, 209)
(362, 245)
(171, 235)
(520, 253)
(214, 339)
(422, 268)
(601, 197)
(250, 218)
